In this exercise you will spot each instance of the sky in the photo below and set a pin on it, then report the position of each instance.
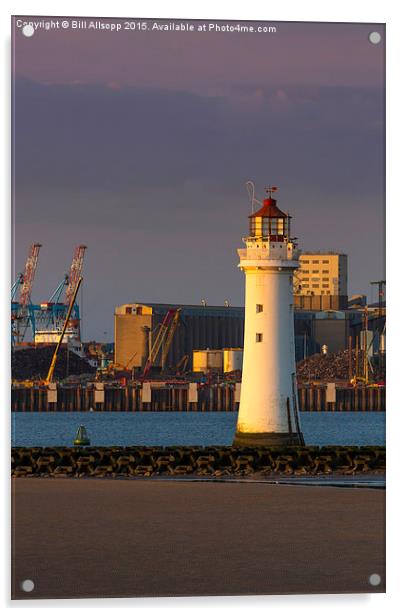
(139, 144)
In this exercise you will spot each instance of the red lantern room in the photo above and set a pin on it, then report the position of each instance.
(269, 222)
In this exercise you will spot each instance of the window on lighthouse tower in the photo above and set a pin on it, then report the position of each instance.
(258, 227)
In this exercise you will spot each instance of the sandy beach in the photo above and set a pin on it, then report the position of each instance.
(120, 538)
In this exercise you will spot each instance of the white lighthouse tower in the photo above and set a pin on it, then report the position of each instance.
(268, 413)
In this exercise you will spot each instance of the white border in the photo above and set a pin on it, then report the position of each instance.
(370, 11)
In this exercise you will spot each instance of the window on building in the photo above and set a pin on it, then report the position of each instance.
(328, 292)
(129, 310)
(314, 262)
(305, 286)
(315, 279)
(258, 337)
(259, 308)
(316, 271)
(325, 261)
(325, 286)
(304, 260)
(315, 286)
(325, 271)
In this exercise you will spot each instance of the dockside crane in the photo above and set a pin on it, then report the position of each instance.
(21, 314)
(16, 286)
(57, 293)
(169, 337)
(162, 336)
(77, 265)
(50, 373)
(69, 281)
(29, 274)
(75, 274)
(50, 315)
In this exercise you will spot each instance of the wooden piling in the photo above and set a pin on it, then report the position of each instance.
(210, 399)
(319, 399)
(363, 399)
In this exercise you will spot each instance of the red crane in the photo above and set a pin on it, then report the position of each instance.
(75, 272)
(29, 274)
(169, 337)
(170, 319)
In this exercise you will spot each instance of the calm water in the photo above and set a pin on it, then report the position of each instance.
(45, 429)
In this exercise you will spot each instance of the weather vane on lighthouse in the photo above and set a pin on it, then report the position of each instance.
(270, 190)
(268, 412)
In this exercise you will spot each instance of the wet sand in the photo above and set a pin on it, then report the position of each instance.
(113, 538)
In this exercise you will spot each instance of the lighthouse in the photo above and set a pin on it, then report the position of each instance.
(268, 412)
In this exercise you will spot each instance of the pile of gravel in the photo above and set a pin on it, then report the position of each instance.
(333, 366)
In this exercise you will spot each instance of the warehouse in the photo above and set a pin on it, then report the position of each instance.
(217, 327)
(199, 327)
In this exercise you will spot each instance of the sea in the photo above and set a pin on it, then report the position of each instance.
(170, 428)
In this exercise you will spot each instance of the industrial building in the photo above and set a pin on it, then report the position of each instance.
(199, 327)
(321, 282)
(216, 328)
(332, 328)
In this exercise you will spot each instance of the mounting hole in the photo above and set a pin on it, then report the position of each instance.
(28, 30)
(27, 585)
(374, 579)
(375, 38)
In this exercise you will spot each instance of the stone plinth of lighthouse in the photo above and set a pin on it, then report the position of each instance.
(268, 412)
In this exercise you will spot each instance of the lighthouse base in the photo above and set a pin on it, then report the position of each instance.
(265, 439)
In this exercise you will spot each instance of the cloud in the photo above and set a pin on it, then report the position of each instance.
(210, 63)
(114, 85)
(153, 182)
(115, 138)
